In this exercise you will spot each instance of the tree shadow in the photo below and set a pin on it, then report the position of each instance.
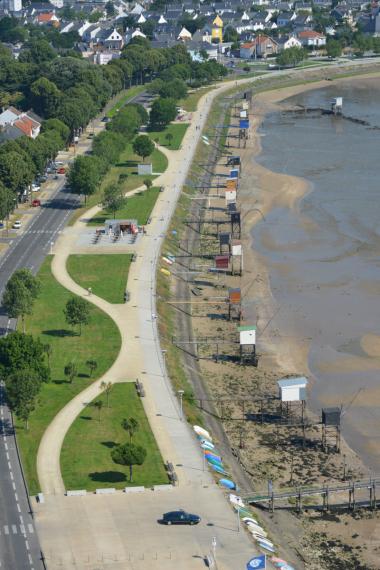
(109, 444)
(83, 375)
(127, 163)
(108, 476)
(85, 417)
(60, 332)
(61, 382)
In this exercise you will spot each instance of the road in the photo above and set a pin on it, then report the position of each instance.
(19, 544)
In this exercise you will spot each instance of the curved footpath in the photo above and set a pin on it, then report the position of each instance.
(61, 519)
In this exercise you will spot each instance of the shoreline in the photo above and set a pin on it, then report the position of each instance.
(287, 355)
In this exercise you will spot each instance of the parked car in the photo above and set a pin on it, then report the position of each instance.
(36, 203)
(61, 170)
(36, 187)
(16, 225)
(180, 517)
(42, 179)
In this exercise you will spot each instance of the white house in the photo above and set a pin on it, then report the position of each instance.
(310, 38)
(287, 42)
(184, 35)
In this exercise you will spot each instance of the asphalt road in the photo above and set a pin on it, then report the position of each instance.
(19, 544)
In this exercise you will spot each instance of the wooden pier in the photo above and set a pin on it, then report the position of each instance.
(325, 492)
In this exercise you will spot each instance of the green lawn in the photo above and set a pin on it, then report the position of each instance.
(177, 130)
(107, 275)
(86, 453)
(126, 165)
(132, 92)
(138, 207)
(190, 103)
(100, 341)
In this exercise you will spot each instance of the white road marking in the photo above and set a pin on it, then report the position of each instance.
(30, 528)
(6, 529)
(14, 529)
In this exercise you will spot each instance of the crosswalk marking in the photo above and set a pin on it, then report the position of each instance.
(17, 529)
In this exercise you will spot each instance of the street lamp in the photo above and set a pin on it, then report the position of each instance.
(181, 393)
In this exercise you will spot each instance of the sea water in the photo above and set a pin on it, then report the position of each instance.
(324, 257)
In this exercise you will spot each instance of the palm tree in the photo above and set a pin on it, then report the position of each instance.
(92, 366)
(99, 405)
(131, 425)
(106, 387)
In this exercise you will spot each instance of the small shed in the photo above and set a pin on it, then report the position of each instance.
(231, 207)
(236, 248)
(221, 261)
(235, 218)
(247, 335)
(234, 296)
(243, 114)
(331, 416)
(230, 196)
(224, 238)
(233, 161)
(292, 389)
(245, 105)
(231, 184)
(244, 124)
(234, 173)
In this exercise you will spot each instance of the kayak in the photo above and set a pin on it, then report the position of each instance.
(227, 483)
(202, 432)
(218, 469)
(207, 445)
(265, 546)
(236, 500)
(214, 461)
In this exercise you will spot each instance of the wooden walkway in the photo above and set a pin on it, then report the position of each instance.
(349, 488)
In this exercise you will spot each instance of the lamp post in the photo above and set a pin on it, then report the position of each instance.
(181, 393)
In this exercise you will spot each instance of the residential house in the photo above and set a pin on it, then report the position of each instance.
(261, 46)
(217, 29)
(286, 42)
(184, 35)
(372, 26)
(342, 13)
(310, 38)
(27, 123)
(195, 49)
(285, 18)
(47, 18)
(111, 39)
(303, 7)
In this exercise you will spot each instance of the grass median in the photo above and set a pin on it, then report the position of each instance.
(86, 461)
(99, 341)
(138, 207)
(107, 275)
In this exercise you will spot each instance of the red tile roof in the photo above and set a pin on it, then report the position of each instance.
(310, 34)
(26, 125)
(45, 17)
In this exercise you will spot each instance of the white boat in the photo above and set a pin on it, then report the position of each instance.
(207, 445)
(258, 536)
(236, 500)
(266, 547)
(249, 520)
(256, 528)
(203, 432)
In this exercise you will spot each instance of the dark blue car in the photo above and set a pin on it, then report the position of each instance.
(180, 517)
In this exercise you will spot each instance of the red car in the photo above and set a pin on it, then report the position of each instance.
(61, 170)
(36, 203)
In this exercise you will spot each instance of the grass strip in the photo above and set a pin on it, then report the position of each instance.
(99, 341)
(86, 454)
(131, 92)
(138, 207)
(107, 275)
(171, 136)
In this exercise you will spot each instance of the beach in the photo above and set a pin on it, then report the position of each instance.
(281, 455)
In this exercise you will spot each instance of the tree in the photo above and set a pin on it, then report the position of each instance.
(99, 405)
(127, 122)
(16, 170)
(48, 351)
(84, 175)
(92, 366)
(334, 48)
(19, 351)
(45, 96)
(169, 138)
(22, 388)
(175, 89)
(143, 146)
(77, 312)
(113, 198)
(37, 51)
(291, 56)
(130, 455)
(107, 388)
(7, 202)
(20, 292)
(131, 425)
(70, 371)
(148, 183)
(163, 111)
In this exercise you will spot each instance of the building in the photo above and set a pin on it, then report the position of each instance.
(286, 42)
(217, 29)
(18, 123)
(310, 38)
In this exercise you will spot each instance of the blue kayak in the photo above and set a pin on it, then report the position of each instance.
(227, 483)
(219, 469)
(214, 461)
